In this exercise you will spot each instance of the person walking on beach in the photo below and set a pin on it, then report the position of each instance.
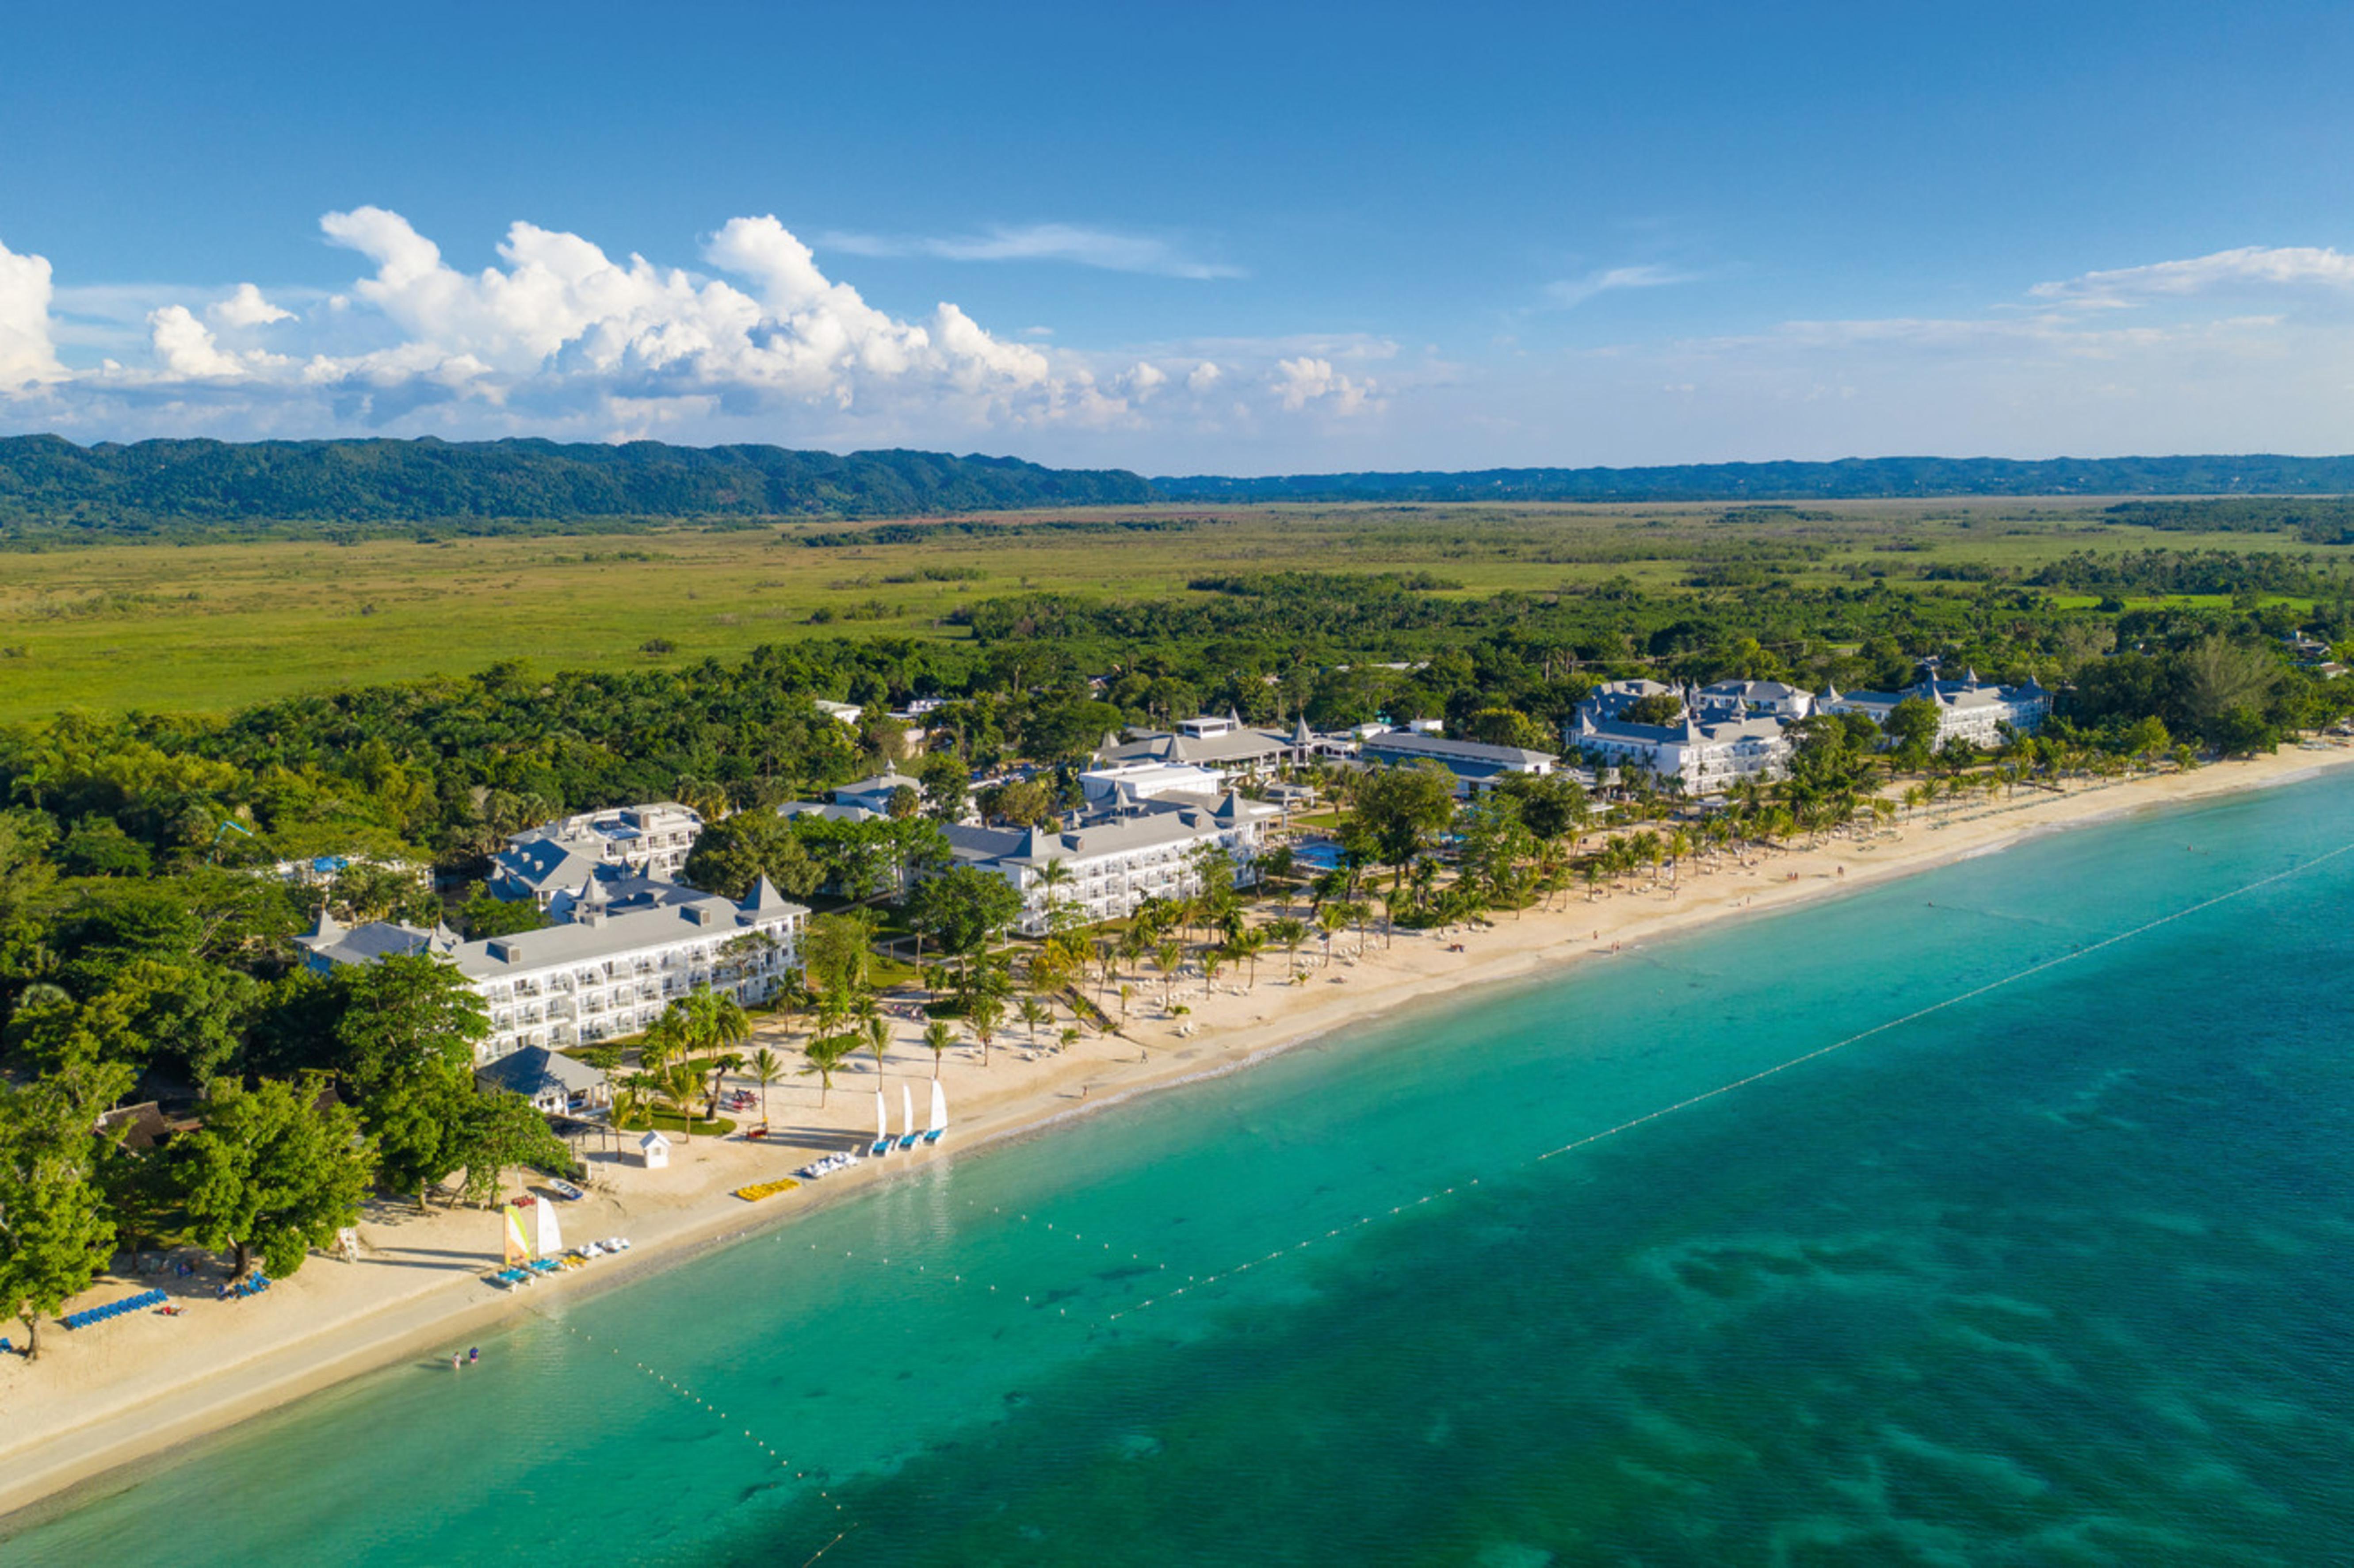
(455, 1362)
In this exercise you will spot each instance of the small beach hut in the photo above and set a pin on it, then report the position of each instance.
(653, 1149)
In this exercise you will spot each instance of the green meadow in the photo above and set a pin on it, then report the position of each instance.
(209, 627)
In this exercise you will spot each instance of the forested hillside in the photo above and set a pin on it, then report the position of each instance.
(52, 489)
(1850, 478)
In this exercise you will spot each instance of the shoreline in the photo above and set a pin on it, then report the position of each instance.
(145, 1385)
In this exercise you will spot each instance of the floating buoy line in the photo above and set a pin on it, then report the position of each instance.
(1196, 1284)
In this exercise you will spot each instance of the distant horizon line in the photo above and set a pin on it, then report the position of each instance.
(1294, 476)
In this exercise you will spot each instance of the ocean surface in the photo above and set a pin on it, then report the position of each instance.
(2062, 1272)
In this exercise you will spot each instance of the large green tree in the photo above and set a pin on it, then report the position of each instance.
(404, 1045)
(1401, 808)
(731, 855)
(55, 1233)
(275, 1171)
(963, 909)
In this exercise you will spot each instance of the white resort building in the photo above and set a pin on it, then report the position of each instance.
(651, 840)
(1115, 860)
(1232, 749)
(1723, 734)
(610, 971)
(1969, 709)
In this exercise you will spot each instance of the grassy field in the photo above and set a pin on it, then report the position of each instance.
(211, 627)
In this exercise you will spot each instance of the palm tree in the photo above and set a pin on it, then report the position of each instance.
(877, 1031)
(718, 1067)
(824, 1054)
(1290, 931)
(1053, 876)
(1034, 1014)
(939, 1034)
(678, 1084)
(767, 1068)
(1168, 957)
(1246, 945)
(983, 1013)
(636, 1098)
(1331, 918)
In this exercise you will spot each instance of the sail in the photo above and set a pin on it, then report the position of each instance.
(907, 1111)
(518, 1248)
(939, 1109)
(551, 1238)
(882, 1118)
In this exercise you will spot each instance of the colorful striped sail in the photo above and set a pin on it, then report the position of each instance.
(518, 1248)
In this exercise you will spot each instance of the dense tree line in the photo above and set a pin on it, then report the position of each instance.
(2316, 519)
(1848, 478)
(50, 487)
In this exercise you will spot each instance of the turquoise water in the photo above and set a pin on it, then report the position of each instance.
(2059, 1274)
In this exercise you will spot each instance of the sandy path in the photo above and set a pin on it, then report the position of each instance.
(102, 1396)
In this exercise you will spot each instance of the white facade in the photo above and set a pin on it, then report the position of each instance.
(602, 976)
(1226, 747)
(652, 840)
(1114, 863)
(1146, 781)
(1969, 709)
(1726, 733)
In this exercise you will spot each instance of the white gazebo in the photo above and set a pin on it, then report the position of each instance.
(655, 1149)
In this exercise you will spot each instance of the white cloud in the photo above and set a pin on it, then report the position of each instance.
(27, 351)
(1067, 242)
(245, 308)
(187, 348)
(2249, 266)
(560, 337)
(1570, 292)
(1300, 382)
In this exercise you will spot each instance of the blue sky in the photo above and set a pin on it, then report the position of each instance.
(1243, 238)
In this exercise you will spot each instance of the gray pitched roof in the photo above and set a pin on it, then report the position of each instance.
(611, 935)
(533, 1071)
(1408, 743)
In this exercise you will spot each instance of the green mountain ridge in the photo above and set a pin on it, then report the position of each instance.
(1846, 479)
(51, 487)
(53, 491)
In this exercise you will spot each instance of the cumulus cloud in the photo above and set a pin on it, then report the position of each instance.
(245, 308)
(558, 337)
(27, 350)
(1567, 294)
(2257, 266)
(1065, 242)
(1298, 383)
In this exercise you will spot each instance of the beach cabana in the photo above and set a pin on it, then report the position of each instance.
(555, 1084)
(655, 1149)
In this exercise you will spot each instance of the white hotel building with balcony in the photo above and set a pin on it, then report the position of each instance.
(608, 971)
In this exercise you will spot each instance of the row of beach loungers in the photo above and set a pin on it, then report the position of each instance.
(92, 1315)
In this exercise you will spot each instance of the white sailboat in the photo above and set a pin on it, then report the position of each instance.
(550, 1235)
(908, 1134)
(939, 1125)
(882, 1125)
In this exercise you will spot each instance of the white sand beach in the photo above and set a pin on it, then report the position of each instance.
(101, 1397)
